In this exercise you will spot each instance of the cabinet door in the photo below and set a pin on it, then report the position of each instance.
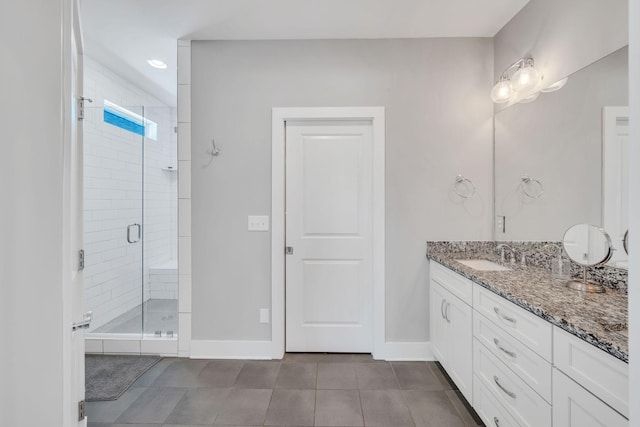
(459, 340)
(438, 323)
(573, 406)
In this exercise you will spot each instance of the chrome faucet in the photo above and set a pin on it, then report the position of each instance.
(502, 247)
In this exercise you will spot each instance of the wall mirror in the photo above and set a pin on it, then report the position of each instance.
(574, 142)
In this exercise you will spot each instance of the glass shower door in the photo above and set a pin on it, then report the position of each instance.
(160, 202)
(113, 218)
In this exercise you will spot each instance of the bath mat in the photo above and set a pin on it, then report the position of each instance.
(107, 377)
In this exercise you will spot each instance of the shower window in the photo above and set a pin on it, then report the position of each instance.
(128, 120)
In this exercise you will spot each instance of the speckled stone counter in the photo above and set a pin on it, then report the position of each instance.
(599, 319)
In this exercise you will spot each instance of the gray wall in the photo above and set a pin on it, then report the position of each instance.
(562, 36)
(439, 124)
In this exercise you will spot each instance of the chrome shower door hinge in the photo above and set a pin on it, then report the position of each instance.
(82, 410)
(81, 101)
(81, 260)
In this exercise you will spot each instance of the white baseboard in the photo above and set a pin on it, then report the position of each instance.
(407, 351)
(263, 350)
(256, 350)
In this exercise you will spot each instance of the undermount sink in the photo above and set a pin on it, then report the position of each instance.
(482, 265)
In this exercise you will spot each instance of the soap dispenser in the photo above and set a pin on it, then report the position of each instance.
(561, 267)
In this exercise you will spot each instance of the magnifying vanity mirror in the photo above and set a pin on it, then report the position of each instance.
(574, 142)
(587, 245)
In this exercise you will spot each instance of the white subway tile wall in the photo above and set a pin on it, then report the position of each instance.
(114, 175)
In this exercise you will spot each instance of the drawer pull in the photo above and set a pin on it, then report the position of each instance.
(496, 421)
(504, 350)
(442, 309)
(507, 392)
(446, 312)
(502, 316)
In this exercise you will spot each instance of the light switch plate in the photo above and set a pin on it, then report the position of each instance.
(258, 223)
(264, 315)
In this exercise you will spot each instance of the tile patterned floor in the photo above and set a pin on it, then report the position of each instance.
(327, 390)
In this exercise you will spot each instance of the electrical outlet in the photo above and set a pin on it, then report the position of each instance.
(264, 315)
(258, 223)
(501, 224)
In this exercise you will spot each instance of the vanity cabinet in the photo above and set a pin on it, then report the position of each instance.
(580, 366)
(451, 325)
(574, 406)
(523, 370)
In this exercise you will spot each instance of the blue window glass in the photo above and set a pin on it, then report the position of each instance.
(118, 119)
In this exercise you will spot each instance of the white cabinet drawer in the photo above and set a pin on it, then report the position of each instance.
(489, 409)
(573, 406)
(599, 372)
(451, 281)
(531, 330)
(524, 404)
(531, 368)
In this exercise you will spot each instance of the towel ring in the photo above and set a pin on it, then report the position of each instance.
(464, 187)
(531, 187)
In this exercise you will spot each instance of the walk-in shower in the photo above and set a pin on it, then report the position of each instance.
(130, 221)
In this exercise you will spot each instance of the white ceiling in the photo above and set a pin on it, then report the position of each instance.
(123, 34)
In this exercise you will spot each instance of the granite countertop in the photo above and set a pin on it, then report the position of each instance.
(599, 319)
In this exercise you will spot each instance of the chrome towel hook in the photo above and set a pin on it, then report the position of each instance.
(214, 151)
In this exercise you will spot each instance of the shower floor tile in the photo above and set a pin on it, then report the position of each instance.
(159, 315)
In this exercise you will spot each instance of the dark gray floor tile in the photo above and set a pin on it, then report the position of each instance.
(291, 408)
(297, 375)
(338, 408)
(441, 375)
(336, 376)
(152, 374)
(244, 407)
(182, 373)
(385, 408)
(373, 376)
(153, 406)
(135, 425)
(432, 409)
(328, 358)
(198, 406)
(256, 374)
(220, 373)
(91, 424)
(466, 412)
(416, 375)
(110, 411)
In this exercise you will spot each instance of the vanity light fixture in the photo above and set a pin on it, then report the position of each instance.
(517, 82)
(555, 86)
(156, 63)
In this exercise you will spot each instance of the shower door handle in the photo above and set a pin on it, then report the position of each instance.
(139, 234)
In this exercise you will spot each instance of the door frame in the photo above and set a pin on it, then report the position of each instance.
(278, 180)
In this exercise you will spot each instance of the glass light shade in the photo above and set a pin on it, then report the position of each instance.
(525, 79)
(556, 86)
(530, 98)
(501, 92)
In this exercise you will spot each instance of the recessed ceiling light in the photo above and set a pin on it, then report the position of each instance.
(156, 63)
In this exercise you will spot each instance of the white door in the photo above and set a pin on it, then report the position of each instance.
(615, 175)
(73, 214)
(329, 194)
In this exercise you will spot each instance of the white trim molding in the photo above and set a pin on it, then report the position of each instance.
(408, 351)
(279, 118)
(211, 349)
